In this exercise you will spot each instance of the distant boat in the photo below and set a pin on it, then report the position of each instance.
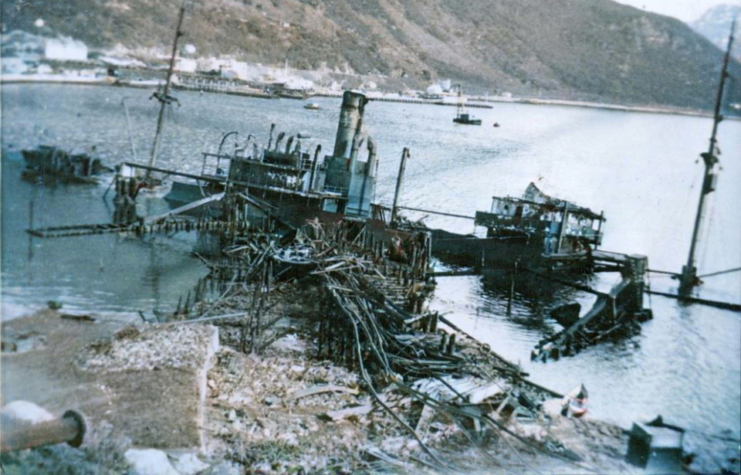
(461, 116)
(312, 106)
(466, 119)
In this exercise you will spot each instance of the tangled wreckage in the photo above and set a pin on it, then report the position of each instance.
(297, 235)
(283, 218)
(274, 191)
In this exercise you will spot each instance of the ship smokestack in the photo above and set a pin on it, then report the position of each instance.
(270, 140)
(279, 140)
(288, 144)
(351, 116)
(371, 157)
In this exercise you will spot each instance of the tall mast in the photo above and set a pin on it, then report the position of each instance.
(689, 279)
(165, 97)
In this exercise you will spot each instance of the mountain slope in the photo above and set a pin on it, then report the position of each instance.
(578, 49)
(715, 25)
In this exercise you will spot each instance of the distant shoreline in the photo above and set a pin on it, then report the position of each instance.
(473, 101)
(666, 110)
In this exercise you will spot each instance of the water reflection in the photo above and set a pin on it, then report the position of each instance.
(107, 272)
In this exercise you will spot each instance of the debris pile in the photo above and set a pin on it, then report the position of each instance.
(149, 348)
(334, 364)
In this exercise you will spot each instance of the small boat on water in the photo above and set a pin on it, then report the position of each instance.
(461, 116)
(466, 119)
(52, 162)
(312, 106)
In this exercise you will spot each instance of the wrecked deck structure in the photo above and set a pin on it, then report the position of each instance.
(247, 189)
(538, 239)
(616, 313)
(537, 231)
(372, 319)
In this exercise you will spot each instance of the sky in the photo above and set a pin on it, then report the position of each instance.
(685, 10)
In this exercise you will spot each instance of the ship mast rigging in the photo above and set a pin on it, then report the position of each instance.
(164, 98)
(689, 278)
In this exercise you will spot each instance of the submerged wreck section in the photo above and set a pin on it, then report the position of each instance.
(552, 240)
(614, 314)
(46, 162)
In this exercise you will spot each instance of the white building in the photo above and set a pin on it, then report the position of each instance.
(240, 69)
(65, 49)
(435, 89)
(299, 84)
(186, 65)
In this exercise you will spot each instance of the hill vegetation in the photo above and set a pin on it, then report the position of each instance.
(571, 49)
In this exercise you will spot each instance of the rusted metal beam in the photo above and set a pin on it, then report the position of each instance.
(399, 180)
(688, 299)
(721, 272)
(452, 215)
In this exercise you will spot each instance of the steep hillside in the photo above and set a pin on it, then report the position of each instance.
(580, 49)
(715, 25)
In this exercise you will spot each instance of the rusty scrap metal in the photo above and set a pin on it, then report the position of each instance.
(20, 435)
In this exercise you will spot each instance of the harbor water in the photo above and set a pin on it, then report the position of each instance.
(642, 170)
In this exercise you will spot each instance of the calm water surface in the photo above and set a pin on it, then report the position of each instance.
(641, 169)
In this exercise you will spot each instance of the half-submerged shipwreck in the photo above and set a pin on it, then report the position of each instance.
(550, 232)
(280, 188)
(285, 182)
(536, 232)
(54, 163)
(549, 240)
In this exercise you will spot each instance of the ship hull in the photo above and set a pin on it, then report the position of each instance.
(502, 253)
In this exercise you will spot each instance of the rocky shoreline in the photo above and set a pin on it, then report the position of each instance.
(172, 389)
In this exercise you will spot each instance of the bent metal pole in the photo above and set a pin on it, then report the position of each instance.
(399, 180)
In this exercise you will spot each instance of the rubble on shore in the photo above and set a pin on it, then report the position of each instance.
(282, 411)
(336, 368)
